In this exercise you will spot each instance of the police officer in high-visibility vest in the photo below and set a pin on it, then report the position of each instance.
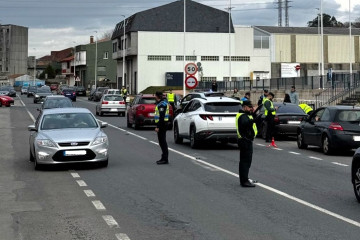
(246, 132)
(161, 120)
(270, 112)
(306, 108)
(171, 99)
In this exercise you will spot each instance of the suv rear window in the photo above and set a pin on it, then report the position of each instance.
(214, 94)
(147, 101)
(223, 107)
(289, 109)
(347, 116)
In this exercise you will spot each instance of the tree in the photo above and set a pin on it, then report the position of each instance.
(107, 35)
(49, 70)
(329, 21)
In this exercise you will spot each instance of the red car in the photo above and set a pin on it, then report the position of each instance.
(142, 110)
(6, 101)
(53, 87)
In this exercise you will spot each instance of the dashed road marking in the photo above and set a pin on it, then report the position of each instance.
(154, 143)
(110, 221)
(98, 205)
(296, 153)
(279, 149)
(75, 175)
(122, 236)
(316, 158)
(89, 193)
(262, 145)
(340, 164)
(81, 183)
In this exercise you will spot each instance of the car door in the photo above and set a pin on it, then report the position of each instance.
(132, 109)
(311, 128)
(33, 134)
(183, 121)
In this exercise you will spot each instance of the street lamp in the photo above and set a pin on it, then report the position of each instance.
(318, 27)
(34, 67)
(75, 63)
(123, 56)
(350, 44)
(229, 9)
(184, 77)
(322, 45)
(95, 57)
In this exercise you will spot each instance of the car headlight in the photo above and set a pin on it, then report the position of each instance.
(45, 143)
(36, 95)
(99, 140)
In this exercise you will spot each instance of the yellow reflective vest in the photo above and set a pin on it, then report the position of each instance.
(157, 113)
(237, 124)
(306, 108)
(171, 97)
(272, 106)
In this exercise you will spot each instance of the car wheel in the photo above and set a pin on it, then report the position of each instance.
(326, 145)
(264, 130)
(356, 184)
(31, 159)
(136, 126)
(128, 124)
(101, 113)
(177, 138)
(194, 142)
(96, 112)
(0, 104)
(35, 101)
(300, 141)
(104, 164)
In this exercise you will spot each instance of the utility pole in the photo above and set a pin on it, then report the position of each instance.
(123, 54)
(286, 13)
(95, 70)
(184, 52)
(279, 13)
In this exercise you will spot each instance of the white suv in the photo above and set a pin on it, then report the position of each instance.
(203, 119)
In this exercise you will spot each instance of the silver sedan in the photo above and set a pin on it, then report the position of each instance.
(68, 135)
(111, 103)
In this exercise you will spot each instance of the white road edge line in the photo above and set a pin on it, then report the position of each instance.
(89, 193)
(154, 143)
(110, 221)
(279, 149)
(75, 175)
(316, 158)
(296, 153)
(81, 183)
(27, 110)
(340, 164)
(131, 133)
(122, 236)
(98, 205)
(262, 145)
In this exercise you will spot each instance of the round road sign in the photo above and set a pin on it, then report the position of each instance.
(191, 82)
(191, 69)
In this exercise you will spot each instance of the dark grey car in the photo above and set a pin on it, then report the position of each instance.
(41, 94)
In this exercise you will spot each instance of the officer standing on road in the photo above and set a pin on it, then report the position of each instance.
(171, 99)
(246, 131)
(161, 120)
(270, 113)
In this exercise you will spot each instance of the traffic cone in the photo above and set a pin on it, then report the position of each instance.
(272, 144)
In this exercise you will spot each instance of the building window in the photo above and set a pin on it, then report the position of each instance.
(114, 47)
(106, 55)
(237, 58)
(208, 79)
(101, 69)
(261, 40)
(188, 58)
(226, 79)
(209, 58)
(159, 58)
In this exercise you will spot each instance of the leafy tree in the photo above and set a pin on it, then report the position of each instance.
(329, 21)
(49, 70)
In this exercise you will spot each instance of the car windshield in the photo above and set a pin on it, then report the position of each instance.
(68, 120)
(147, 101)
(284, 108)
(43, 90)
(223, 107)
(351, 116)
(113, 92)
(68, 90)
(80, 88)
(113, 98)
(102, 89)
(57, 103)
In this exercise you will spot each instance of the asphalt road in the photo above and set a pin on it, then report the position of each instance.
(301, 194)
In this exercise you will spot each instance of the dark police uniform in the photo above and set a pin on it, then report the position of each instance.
(161, 120)
(270, 113)
(246, 131)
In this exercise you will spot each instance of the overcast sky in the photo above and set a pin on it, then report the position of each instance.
(59, 24)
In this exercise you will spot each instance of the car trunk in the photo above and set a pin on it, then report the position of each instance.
(291, 119)
(225, 121)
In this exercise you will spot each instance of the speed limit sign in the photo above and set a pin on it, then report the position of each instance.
(191, 68)
(191, 82)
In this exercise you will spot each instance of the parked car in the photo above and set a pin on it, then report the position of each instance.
(98, 93)
(287, 120)
(70, 93)
(355, 174)
(80, 90)
(6, 101)
(4, 93)
(111, 103)
(10, 89)
(331, 128)
(210, 119)
(53, 87)
(61, 87)
(31, 90)
(24, 90)
(112, 91)
(41, 94)
(56, 101)
(46, 87)
(141, 112)
(67, 135)
(193, 95)
(91, 94)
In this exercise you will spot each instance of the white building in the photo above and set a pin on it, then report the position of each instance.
(154, 46)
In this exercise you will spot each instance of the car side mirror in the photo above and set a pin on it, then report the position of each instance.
(32, 128)
(103, 124)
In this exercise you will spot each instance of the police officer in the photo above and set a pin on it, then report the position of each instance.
(246, 131)
(171, 99)
(161, 120)
(306, 108)
(270, 113)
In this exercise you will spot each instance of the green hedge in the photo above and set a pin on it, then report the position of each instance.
(154, 89)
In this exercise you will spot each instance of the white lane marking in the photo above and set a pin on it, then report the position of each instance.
(122, 236)
(131, 133)
(98, 205)
(262, 145)
(110, 221)
(81, 183)
(296, 153)
(340, 164)
(27, 110)
(279, 149)
(89, 193)
(154, 143)
(316, 158)
(75, 175)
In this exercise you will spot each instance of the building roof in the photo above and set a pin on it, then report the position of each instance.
(67, 59)
(170, 18)
(308, 30)
(15, 76)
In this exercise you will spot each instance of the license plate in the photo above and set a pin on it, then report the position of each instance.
(357, 138)
(113, 110)
(75, 153)
(151, 114)
(293, 122)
